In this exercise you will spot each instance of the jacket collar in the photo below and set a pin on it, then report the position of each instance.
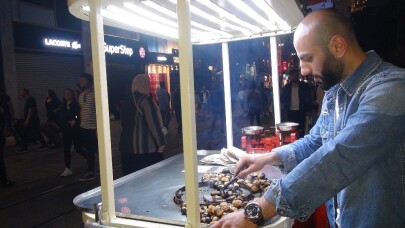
(363, 71)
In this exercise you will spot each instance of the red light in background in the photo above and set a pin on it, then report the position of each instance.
(284, 65)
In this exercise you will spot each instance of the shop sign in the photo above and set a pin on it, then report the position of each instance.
(111, 49)
(124, 51)
(32, 37)
(121, 49)
(161, 59)
(62, 43)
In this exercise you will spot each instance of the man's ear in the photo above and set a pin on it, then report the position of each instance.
(337, 46)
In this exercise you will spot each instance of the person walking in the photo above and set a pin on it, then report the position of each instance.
(255, 103)
(69, 123)
(9, 115)
(242, 98)
(142, 139)
(5, 182)
(205, 98)
(217, 107)
(88, 125)
(51, 128)
(31, 123)
(352, 159)
(163, 99)
(296, 100)
(177, 109)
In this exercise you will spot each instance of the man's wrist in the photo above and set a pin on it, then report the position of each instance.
(268, 208)
(273, 158)
(254, 213)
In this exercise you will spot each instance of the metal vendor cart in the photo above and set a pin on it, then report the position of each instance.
(196, 22)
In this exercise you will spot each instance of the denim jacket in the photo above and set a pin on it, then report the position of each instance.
(358, 156)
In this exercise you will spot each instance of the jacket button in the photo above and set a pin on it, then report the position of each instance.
(281, 212)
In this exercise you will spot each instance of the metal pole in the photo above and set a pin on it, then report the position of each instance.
(227, 92)
(188, 113)
(103, 121)
(275, 79)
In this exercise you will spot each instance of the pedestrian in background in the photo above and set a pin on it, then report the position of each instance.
(5, 182)
(9, 116)
(177, 109)
(205, 98)
(197, 102)
(88, 125)
(30, 125)
(242, 97)
(255, 103)
(163, 99)
(69, 124)
(296, 100)
(51, 128)
(142, 139)
(217, 107)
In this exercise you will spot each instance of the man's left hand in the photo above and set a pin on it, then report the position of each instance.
(234, 220)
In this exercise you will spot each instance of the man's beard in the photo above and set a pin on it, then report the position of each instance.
(332, 71)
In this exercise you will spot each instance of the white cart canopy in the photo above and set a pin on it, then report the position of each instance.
(212, 21)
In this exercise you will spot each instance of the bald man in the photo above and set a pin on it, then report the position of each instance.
(353, 159)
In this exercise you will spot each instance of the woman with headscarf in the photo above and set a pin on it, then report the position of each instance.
(142, 139)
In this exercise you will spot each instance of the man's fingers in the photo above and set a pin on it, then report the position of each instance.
(216, 224)
(239, 166)
(237, 171)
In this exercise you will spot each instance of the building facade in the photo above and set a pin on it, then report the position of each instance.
(44, 47)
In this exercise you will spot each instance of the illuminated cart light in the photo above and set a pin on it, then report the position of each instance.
(212, 21)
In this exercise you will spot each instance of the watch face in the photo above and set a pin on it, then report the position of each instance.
(252, 211)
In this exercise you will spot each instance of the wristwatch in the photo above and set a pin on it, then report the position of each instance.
(254, 213)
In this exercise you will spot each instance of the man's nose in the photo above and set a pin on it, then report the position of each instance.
(305, 70)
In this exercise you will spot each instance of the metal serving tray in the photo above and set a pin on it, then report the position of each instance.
(149, 192)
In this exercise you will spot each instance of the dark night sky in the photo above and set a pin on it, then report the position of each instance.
(381, 27)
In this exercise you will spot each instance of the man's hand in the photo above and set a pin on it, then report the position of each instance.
(250, 163)
(234, 220)
(238, 219)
